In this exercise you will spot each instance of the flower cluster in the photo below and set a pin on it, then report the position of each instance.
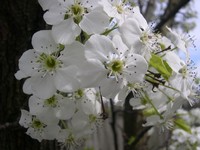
(182, 139)
(98, 50)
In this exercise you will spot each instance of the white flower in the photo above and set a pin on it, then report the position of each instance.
(117, 9)
(58, 106)
(179, 41)
(88, 118)
(46, 69)
(70, 138)
(46, 4)
(38, 129)
(111, 60)
(68, 17)
(139, 37)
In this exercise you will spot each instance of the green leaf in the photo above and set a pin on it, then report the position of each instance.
(161, 66)
(180, 123)
(131, 140)
(149, 112)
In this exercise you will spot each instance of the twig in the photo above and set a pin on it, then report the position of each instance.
(113, 124)
(140, 136)
(9, 125)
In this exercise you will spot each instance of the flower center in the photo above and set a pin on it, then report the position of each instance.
(92, 118)
(120, 9)
(37, 124)
(183, 71)
(77, 10)
(78, 94)
(70, 139)
(116, 66)
(52, 102)
(49, 62)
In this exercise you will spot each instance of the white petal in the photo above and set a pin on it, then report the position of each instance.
(51, 132)
(48, 117)
(110, 87)
(35, 134)
(99, 47)
(119, 44)
(55, 15)
(43, 42)
(25, 119)
(27, 64)
(20, 75)
(46, 4)
(73, 54)
(79, 121)
(66, 109)
(137, 68)
(91, 73)
(27, 86)
(36, 105)
(92, 24)
(65, 79)
(66, 32)
(91, 107)
(139, 18)
(43, 87)
(131, 32)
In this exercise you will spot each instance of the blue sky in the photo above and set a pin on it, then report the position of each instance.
(195, 53)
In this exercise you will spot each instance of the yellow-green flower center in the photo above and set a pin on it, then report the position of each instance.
(77, 10)
(116, 66)
(49, 62)
(183, 71)
(120, 9)
(37, 124)
(52, 102)
(92, 118)
(79, 94)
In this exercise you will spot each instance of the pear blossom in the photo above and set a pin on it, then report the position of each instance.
(98, 50)
(112, 62)
(59, 106)
(139, 37)
(180, 41)
(70, 17)
(182, 79)
(45, 68)
(36, 128)
(89, 117)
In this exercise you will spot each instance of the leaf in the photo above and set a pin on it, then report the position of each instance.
(180, 123)
(131, 140)
(161, 66)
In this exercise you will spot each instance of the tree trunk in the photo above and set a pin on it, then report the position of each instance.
(19, 19)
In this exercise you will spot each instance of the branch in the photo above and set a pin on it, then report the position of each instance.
(167, 16)
(141, 135)
(9, 125)
(113, 124)
(149, 12)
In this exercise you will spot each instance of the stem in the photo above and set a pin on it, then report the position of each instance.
(146, 97)
(104, 114)
(113, 124)
(164, 50)
(140, 135)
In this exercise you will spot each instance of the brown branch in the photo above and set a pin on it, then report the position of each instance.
(167, 16)
(149, 12)
(9, 125)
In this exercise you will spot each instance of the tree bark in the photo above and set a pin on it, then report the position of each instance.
(19, 19)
